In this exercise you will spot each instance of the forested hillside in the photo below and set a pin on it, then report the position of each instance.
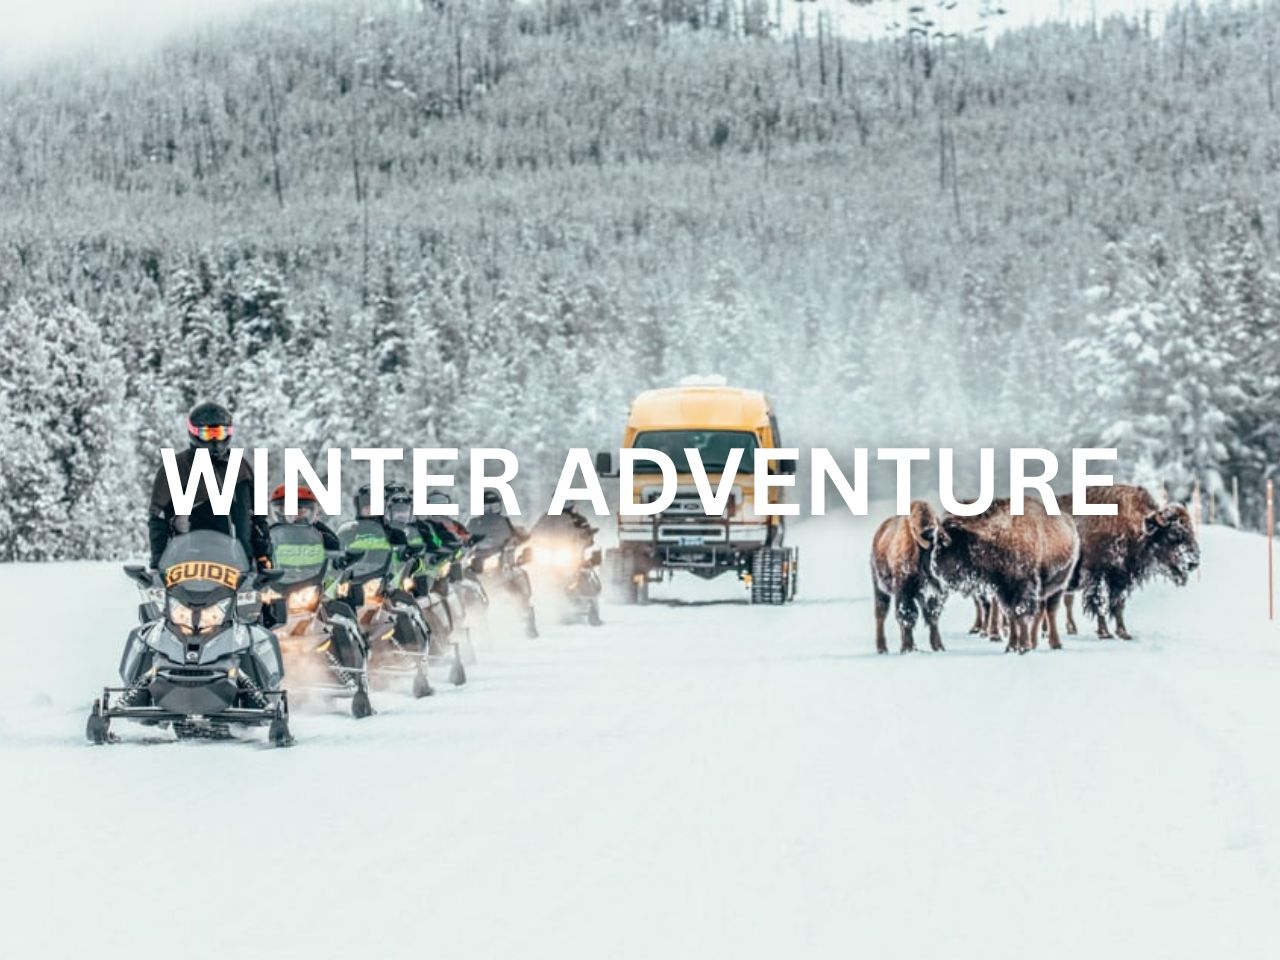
(489, 223)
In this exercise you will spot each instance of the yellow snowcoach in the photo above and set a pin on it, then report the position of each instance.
(705, 414)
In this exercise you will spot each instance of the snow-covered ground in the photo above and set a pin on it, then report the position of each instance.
(698, 778)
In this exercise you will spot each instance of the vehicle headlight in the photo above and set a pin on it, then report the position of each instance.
(445, 568)
(181, 616)
(304, 600)
(407, 584)
(216, 615)
(559, 557)
(372, 590)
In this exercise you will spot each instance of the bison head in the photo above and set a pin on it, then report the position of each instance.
(1170, 543)
(926, 528)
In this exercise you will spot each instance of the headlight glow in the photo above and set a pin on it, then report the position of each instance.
(216, 615)
(304, 600)
(372, 590)
(559, 557)
(180, 616)
(407, 584)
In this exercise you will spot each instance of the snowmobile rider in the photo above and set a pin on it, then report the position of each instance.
(308, 513)
(209, 425)
(451, 525)
(501, 537)
(569, 521)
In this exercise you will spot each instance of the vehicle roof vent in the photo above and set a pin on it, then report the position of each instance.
(703, 380)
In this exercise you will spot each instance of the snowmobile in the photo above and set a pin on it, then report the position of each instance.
(466, 581)
(448, 634)
(320, 640)
(569, 558)
(503, 570)
(398, 635)
(201, 660)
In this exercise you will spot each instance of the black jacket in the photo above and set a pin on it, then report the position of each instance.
(162, 524)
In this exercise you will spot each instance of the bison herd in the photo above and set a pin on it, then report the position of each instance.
(1019, 570)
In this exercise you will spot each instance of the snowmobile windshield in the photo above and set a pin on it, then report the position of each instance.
(297, 550)
(712, 445)
(371, 537)
(203, 566)
(496, 531)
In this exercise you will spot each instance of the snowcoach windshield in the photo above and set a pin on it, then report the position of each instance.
(712, 445)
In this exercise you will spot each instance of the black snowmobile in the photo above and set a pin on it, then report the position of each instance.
(566, 554)
(398, 636)
(321, 642)
(201, 661)
(448, 635)
(497, 564)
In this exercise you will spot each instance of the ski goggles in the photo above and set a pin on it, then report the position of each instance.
(207, 434)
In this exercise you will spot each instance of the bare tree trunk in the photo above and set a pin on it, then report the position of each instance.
(798, 36)
(362, 198)
(822, 53)
(457, 57)
(1182, 41)
(273, 129)
(840, 66)
(955, 177)
(1271, 76)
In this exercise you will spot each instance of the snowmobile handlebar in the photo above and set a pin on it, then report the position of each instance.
(344, 559)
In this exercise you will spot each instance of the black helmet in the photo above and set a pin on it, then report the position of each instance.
(364, 501)
(439, 496)
(397, 503)
(209, 426)
(492, 501)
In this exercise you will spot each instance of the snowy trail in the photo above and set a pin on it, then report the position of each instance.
(694, 779)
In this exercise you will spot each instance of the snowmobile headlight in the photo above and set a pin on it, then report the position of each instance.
(181, 616)
(343, 589)
(304, 600)
(372, 591)
(408, 584)
(558, 557)
(216, 615)
(445, 568)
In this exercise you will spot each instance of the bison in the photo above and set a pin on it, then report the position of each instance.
(1120, 552)
(901, 572)
(1022, 563)
(986, 618)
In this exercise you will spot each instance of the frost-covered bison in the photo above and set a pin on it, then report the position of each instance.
(1022, 563)
(1119, 553)
(901, 573)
